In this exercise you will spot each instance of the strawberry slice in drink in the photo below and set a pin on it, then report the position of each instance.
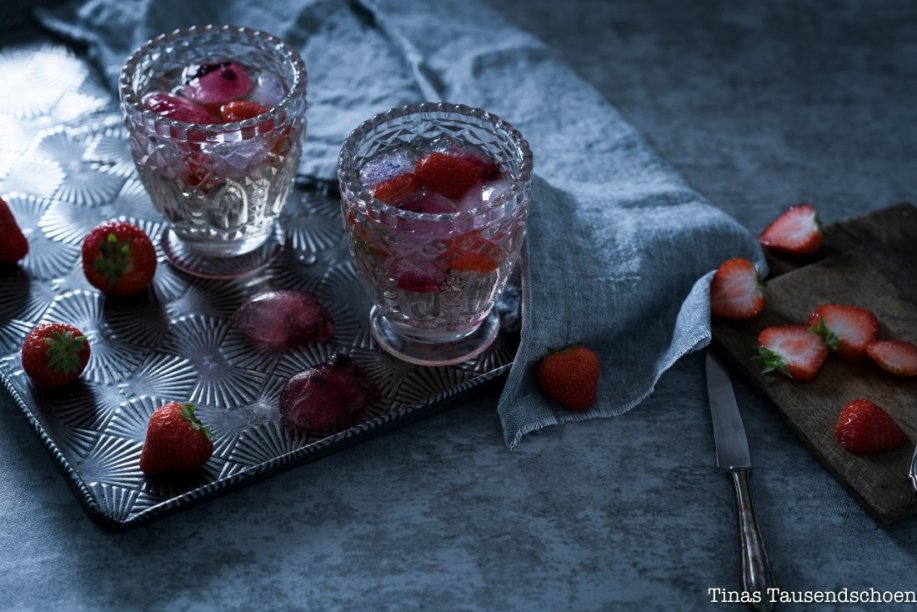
(178, 108)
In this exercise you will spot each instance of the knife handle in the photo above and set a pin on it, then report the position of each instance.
(757, 575)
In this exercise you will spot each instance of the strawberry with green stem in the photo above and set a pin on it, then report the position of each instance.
(176, 441)
(118, 258)
(55, 354)
(791, 350)
(847, 330)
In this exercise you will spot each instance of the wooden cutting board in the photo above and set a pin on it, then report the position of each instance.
(870, 262)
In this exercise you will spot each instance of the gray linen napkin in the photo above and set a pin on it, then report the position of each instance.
(620, 250)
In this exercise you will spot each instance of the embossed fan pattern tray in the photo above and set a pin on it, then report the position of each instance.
(64, 168)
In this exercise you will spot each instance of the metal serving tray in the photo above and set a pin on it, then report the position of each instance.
(64, 168)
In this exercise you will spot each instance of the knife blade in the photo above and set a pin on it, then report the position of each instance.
(733, 456)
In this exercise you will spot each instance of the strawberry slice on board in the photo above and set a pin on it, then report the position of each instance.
(797, 231)
(736, 291)
(14, 245)
(864, 428)
(894, 356)
(847, 330)
(792, 350)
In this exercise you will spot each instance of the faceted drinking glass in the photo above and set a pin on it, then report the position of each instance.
(434, 277)
(219, 186)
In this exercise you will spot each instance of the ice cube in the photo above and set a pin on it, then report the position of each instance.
(488, 192)
(283, 319)
(387, 164)
(269, 89)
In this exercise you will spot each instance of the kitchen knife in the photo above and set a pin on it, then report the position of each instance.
(733, 456)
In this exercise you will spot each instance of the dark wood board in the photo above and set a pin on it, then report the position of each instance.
(870, 262)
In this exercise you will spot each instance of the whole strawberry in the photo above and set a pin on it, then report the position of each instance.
(570, 376)
(13, 245)
(176, 441)
(864, 428)
(118, 258)
(55, 354)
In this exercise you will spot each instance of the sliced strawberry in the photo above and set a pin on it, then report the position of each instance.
(736, 291)
(450, 176)
(14, 245)
(895, 356)
(240, 110)
(213, 84)
(479, 262)
(863, 428)
(797, 231)
(845, 329)
(792, 350)
(394, 190)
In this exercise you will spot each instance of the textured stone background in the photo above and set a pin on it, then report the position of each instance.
(759, 105)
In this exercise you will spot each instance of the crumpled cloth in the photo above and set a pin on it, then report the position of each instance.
(620, 251)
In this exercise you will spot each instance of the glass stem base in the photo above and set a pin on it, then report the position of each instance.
(183, 256)
(432, 353)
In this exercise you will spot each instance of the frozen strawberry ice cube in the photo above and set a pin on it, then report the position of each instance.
(216, 83)
(177, 108)
(327, 397)
(387, 165)
(278, 320)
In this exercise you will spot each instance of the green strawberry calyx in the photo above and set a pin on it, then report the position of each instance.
(826, 334)
(114, 258)
(187, 412)
(771, 361)
(64, 351)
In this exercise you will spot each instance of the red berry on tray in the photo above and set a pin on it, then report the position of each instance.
(865, 428)
(895, 356)
(118, 258)
(326, 397)
(176, 441)
(14, 245)
(736, 291)
(55, 354)
(797, 231)
(570, 376)
(792, 350)
(845, 329)
(450, 176)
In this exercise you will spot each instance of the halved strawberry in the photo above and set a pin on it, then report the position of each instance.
(863, 428)
(845, 329)
(792, 350)
(797, 231)
(895, 356)
(736, 291)
(14, 245)
(394, 190)
(450, 176)
(239, 110)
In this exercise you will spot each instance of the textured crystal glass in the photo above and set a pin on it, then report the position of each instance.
(220, 187)
(434, 277)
